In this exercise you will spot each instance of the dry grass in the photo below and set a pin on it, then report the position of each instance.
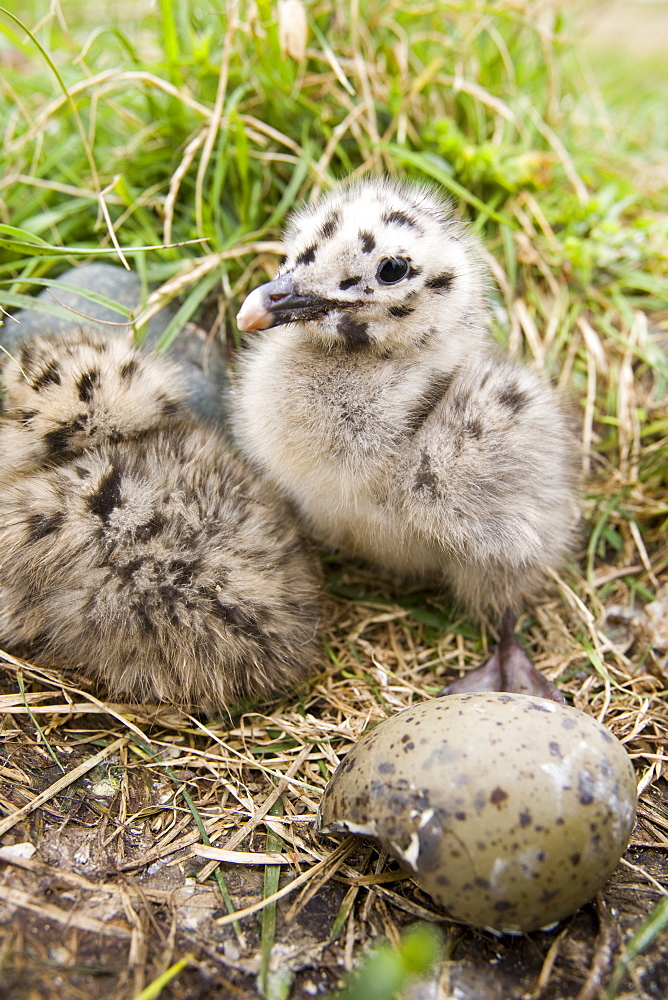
(127, 804)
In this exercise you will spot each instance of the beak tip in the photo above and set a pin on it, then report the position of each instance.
(242, 321)
(253, 314)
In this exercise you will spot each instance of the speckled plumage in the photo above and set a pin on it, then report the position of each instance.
(384, 411)
(135, 545)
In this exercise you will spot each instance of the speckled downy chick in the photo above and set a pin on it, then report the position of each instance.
(135, 545)
(377, 402)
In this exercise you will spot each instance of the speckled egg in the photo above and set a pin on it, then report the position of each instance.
(510, 810)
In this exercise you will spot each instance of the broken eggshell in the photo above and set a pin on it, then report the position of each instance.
(510, 810)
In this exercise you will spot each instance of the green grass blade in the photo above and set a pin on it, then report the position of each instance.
(36, 724)
(273, 984)
(154, 989)
(649, 930)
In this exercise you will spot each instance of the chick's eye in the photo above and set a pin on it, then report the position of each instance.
(392, 269)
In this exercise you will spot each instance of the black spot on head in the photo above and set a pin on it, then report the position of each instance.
(475, 428)
(307, 256)
(82, 472)
(425, 478)
(42, 525)
(151, 528)
(126, 571)
(86, 385)
(401, 218)
(168, 407)
(330, 225)
(129, 370)
(441, 282)
(108, 495)
(435, 390)
(26, 356)
(349, 282)
(399, 311)
(368, 242)
(413, 272)
(353, 332)
(49, 376)
(513, 398)
(59, 441)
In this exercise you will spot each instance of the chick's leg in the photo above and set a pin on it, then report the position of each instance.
(508, 669)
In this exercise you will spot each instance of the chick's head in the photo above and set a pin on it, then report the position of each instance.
(378, 264)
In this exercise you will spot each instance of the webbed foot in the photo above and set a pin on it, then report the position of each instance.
(508, 669)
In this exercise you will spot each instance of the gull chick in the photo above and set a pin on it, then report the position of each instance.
(135, 545)
(379, 405)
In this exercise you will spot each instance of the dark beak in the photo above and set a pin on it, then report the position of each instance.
(276, 303)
